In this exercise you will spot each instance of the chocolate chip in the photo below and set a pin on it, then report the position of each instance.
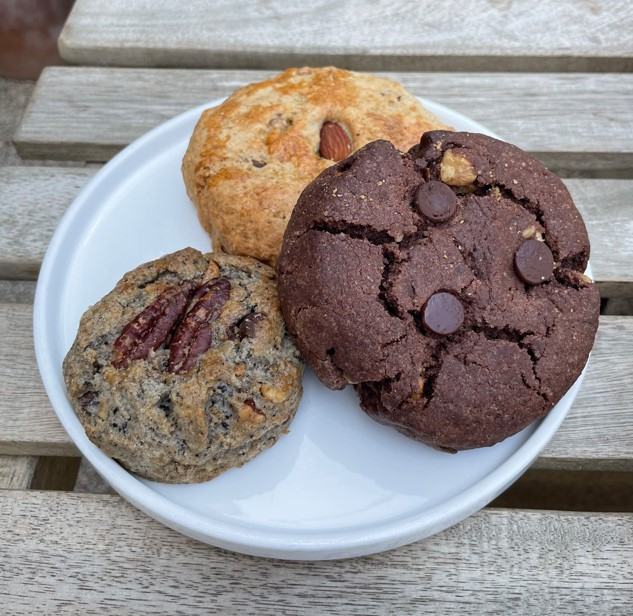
(165, 404)
(89, 401)
(436, 201)
(245, 327)
(258, 163)
(443, 313)
(533, 262)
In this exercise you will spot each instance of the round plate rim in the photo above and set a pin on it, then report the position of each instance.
(288, 545)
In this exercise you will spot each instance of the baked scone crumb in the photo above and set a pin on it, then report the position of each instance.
(250, 157)
(163, 367)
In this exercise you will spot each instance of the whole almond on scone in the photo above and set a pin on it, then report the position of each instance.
(335, 143)
(250, 157)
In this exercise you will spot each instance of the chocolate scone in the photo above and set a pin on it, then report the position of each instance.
(446, 284)
(185, 368)
(250, 157)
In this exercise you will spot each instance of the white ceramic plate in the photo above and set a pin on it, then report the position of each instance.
(339, 484)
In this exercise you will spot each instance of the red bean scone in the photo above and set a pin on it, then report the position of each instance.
(446, 284)
(185, 369)
(250, 157)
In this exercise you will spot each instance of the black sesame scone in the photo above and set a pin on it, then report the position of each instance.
(446, 284)
(185, 368)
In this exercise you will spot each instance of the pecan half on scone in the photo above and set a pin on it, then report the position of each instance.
(446, 284)
(185, 369)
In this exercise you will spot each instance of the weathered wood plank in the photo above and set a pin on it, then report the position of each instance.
(16, 472)
(597, 434)
(583, 441)
(607, 208)
(32, 200)
(381, 35)
(17, 291)
(572, 122)
(14, 95)
(81, 553)
(88, 480)
(28, 425)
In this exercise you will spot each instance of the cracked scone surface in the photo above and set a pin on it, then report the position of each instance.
(360, 262)
(250, 157)
(186, 420)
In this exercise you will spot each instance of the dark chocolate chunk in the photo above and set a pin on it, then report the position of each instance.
(443, 313)
(245, 327)
(533, 262)
(89, 401)
(165, 404)
(436, 201)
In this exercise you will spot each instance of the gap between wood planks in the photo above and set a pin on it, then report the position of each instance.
(597, 491)
(591, 491)
(23, 292)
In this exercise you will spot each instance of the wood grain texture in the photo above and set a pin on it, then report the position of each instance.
(17, 291)
(607, 208)
(28, 425)
(577, 123)
(480, 35)
(16, 472)
(597, 434)
(73, 553)
(32, 200)
(14, 95)
(603, 409)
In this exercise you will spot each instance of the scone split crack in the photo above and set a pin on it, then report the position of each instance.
(503, 253)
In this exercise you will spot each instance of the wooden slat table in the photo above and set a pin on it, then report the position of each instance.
(577, 123)
(89, 554)
(398, 35)
(556, 80)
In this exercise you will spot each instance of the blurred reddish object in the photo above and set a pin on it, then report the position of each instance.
(28, 35)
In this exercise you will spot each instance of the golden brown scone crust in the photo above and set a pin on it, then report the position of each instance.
(249, 158)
